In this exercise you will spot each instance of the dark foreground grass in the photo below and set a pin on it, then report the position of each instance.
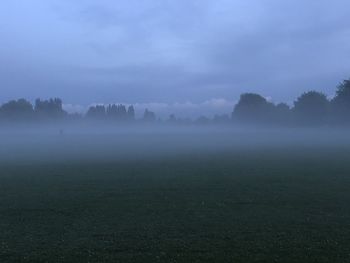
(253, 206)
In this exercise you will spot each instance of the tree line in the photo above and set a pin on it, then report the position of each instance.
(312, 108)
(23, 110)
(52, 109)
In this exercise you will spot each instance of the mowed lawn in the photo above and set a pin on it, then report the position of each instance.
(262, 205)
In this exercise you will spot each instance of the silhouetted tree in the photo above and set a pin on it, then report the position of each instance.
(117, 112)
(96, 112)
(51, 108)
(253, 108)
(282, 114)
(149, 116)
(311, 108)
(17, 110)
(340, 104)
(131, 113)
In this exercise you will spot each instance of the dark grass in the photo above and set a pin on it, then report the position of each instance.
(267, 205)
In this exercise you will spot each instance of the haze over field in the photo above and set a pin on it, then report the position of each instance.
(142, 143)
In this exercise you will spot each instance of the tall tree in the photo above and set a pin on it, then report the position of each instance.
(253, 108)
(341, 103)
(17, 109)
(149, 116)
(282, 114)
(311, 108)
(97, 112)
(131, 113)
(117, 112)
(51, 108)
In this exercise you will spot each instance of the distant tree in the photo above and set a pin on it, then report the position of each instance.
(253, 108)
(51, 108)
(282, 114)
(131, 113)
(122, 113)
(311, 108)
(149, 116)
(17, 109)
(111, 111)
(96, 112)
(283, 107)
(340, 105)
(117, 112)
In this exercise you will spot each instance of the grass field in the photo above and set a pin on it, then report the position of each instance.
(264, 204)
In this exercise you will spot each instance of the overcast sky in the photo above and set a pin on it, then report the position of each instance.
(174, 55)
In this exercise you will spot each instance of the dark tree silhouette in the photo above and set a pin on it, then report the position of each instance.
(117, 112)
(149, 116)
(131, 113)
(282, 114)
(17, 110)
(96, 112)
(51, 108)
(253, 108)
(340, 104)
(311, 108)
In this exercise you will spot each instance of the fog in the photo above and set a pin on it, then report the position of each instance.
(107, 143)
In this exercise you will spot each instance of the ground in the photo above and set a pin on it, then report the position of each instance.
(258, 205)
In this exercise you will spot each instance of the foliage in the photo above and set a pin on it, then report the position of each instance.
(341, 103)
(149, 116)
(253, 108)
(311, 108)
(51, 108)
(96, 112)
(17, 109)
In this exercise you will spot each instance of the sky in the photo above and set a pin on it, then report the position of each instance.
(187, 57)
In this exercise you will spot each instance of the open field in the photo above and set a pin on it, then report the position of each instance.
(288, 203)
